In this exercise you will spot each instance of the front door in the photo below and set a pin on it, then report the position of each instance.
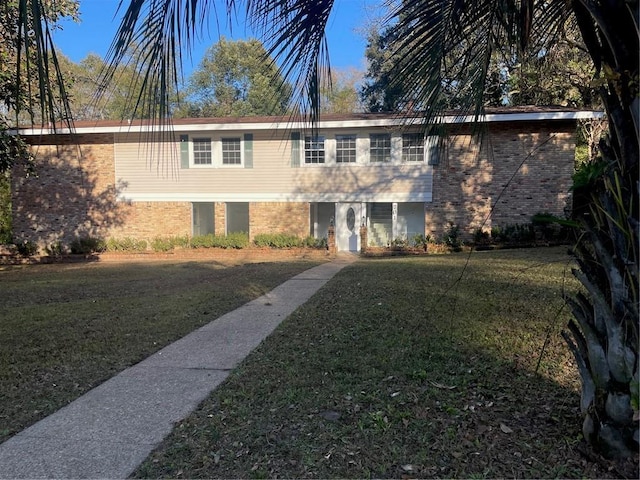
(348, 219)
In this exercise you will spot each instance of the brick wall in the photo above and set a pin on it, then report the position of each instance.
(74, 194)
(220, 218)
(148, 220)
(522, 169)
(279, 217)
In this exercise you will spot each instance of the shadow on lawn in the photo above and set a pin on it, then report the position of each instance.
(389, 373)
(66, 328)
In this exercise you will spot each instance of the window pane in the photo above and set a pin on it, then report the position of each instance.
(380, 147)
(314, 149)
(231, 153)
(345, 148)
(202, 151)
(412, 147)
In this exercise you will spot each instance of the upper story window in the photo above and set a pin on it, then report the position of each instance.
(345, 148)
(202, 151)
(380, 147)
(412, 147)
(231, 151)
(314, 149)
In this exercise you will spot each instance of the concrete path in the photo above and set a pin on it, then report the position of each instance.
(109, 431)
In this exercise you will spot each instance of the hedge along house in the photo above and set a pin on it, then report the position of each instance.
(270, 175)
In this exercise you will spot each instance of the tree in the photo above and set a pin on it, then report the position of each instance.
(236, 78)
(31, 84)
(378, 94)
(455, 39)
(89, 99)
(341, 94)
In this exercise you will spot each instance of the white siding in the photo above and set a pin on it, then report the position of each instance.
(151, 172)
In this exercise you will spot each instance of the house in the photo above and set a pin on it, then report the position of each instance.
(266, 174)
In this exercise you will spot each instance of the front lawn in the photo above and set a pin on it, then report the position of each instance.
(400, 368)
(66, 328)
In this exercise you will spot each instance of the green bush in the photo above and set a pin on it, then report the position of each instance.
(514, 233)
(452, 237)
(27, 248)
(422, 241)
(56, 249)
(126, 244)
(233, 240)
(312, 242)
(481, 237)
(277, 240)
(166, 244)
(86, 245)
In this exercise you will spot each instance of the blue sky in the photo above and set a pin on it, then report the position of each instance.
(98, 26)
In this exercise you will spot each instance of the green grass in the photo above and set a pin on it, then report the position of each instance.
(66, 328)
(397, 368)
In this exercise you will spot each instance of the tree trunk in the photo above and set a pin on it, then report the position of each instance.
(604, 332)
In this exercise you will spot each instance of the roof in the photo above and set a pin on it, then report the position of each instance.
(352, 120)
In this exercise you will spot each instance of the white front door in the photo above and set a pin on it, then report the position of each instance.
(348, 219)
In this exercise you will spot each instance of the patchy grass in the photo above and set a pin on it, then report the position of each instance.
(397, 368)
(66, 328)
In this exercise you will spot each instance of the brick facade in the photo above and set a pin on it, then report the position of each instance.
(73, 193)
(519, 168)
(519, 172)
(279, 217)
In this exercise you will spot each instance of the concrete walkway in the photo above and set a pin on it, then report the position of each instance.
(109, 431)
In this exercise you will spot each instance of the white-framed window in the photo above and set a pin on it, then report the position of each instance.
(379, 147)
(346, 148)
(231, 151)
(202, 151)
(314, 152)
(412, 147)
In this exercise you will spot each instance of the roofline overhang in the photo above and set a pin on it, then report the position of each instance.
(395, 121)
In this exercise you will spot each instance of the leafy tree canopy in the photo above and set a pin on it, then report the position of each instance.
(29, 90)
(236, 78)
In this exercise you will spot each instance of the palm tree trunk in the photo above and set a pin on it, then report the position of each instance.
(604, 332)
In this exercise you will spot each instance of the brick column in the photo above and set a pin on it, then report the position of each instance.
(363, 239)
(331, 239)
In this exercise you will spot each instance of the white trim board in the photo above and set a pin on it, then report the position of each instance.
(202, 126)
(402, 197)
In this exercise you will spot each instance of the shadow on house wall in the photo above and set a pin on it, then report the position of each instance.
(73, 193)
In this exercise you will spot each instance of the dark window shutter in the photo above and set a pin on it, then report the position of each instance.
(248, 150)
(184, 151)
(434, 152)
(295, 149)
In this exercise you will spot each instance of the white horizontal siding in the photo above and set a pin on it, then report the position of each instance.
(151, 172)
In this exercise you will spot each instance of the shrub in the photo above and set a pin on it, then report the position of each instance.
(514, 233)
(233, 240)
(452, 237)
(86, 245)
(312, 242)
(277, 240)
(421, 241)
(161, 244)
(399, 243)
(126, 244)
(27, 248)
(237, 240)
(481, 237)
(56, 249)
